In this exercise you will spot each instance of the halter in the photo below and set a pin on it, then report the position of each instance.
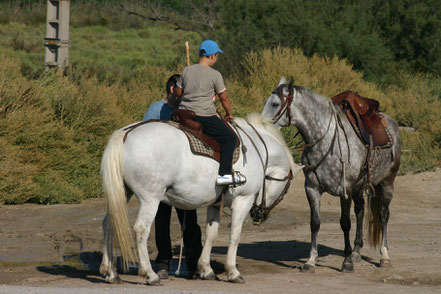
(286, 106)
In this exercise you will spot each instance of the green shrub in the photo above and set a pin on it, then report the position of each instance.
(55, 125)
(415, 104)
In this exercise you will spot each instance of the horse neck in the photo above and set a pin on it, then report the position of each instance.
(275, 143)
(312, 115)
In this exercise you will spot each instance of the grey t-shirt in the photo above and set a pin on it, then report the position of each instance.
(200, 84)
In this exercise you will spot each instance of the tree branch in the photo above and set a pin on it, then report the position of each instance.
(156, 16)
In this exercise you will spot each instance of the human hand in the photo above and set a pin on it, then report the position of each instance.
(229, 117)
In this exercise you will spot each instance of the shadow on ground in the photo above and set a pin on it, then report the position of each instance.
(280, 253)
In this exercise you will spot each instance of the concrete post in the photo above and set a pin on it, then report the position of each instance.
(57, 33)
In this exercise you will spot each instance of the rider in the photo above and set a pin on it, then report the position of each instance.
(162, 110)
(198, 88)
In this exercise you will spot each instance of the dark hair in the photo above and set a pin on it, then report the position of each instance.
(202, 52)
(172, 83)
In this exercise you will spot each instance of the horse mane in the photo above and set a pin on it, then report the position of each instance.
(260, 122)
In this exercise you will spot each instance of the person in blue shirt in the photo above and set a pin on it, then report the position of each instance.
(162, 110)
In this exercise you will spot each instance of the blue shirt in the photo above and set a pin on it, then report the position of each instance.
(159, 110)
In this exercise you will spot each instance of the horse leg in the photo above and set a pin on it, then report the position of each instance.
(240, 208)
(345, 224)
(359, 213)
(385, 191)
(211, 231)
(314, 197)
(146, 215)
(106, 268)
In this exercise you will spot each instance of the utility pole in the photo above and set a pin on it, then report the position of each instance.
(57, 34)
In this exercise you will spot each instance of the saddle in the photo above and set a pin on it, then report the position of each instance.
(193, 128)
(365, 118)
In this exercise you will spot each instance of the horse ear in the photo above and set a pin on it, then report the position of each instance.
(282, 81)
(291, 82)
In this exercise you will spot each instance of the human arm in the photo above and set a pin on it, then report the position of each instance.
(225, 101)
(223, 95)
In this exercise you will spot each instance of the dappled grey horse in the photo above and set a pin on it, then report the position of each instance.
(339, 163)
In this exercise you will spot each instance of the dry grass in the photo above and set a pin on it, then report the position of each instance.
(53, 129)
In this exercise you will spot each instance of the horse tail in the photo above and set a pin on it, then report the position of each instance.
(115, 194)
(373, 220)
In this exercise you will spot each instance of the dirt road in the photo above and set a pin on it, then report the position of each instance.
(56, 248)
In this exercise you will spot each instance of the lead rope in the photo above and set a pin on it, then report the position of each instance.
(178, 271)
(264, 164)
(263, 202)
(337, 119)
(334, 137)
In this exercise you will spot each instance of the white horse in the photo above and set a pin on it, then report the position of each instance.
(156, 164)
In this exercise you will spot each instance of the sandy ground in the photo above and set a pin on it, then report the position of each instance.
(55, 249)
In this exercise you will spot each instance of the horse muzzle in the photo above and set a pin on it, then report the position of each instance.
(258, 214)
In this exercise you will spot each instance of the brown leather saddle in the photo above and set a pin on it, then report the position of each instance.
(365, 118)
(189, 126)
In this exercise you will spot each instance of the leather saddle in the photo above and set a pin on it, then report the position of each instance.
(365, 118)
(188, 125)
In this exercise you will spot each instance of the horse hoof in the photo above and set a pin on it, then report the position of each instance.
(210, 276)
(115, 280)
(386, 263)
(104, 270)
(356, 257)
(154, 282)
(307, 268)
(347, 267)
(238, 280)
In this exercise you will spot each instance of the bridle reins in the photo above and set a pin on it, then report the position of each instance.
(286, 108)
(260, 213)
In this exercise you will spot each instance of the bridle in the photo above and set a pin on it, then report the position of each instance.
(286, 108)
(286, 104)
(259, 213)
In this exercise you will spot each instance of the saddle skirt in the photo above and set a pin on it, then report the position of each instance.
(365, 118)
(200, 144)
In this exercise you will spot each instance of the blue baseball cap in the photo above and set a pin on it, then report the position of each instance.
(210, 48)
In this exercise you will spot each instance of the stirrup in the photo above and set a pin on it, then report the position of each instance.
(241, 177)
(235, 179)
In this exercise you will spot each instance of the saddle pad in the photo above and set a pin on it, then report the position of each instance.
(199, 147)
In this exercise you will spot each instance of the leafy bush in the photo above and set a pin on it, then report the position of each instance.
(414, 104)
(54, 125)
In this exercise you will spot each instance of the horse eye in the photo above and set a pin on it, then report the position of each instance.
(275, 104)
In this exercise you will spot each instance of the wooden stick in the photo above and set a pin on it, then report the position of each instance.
(187, 49)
